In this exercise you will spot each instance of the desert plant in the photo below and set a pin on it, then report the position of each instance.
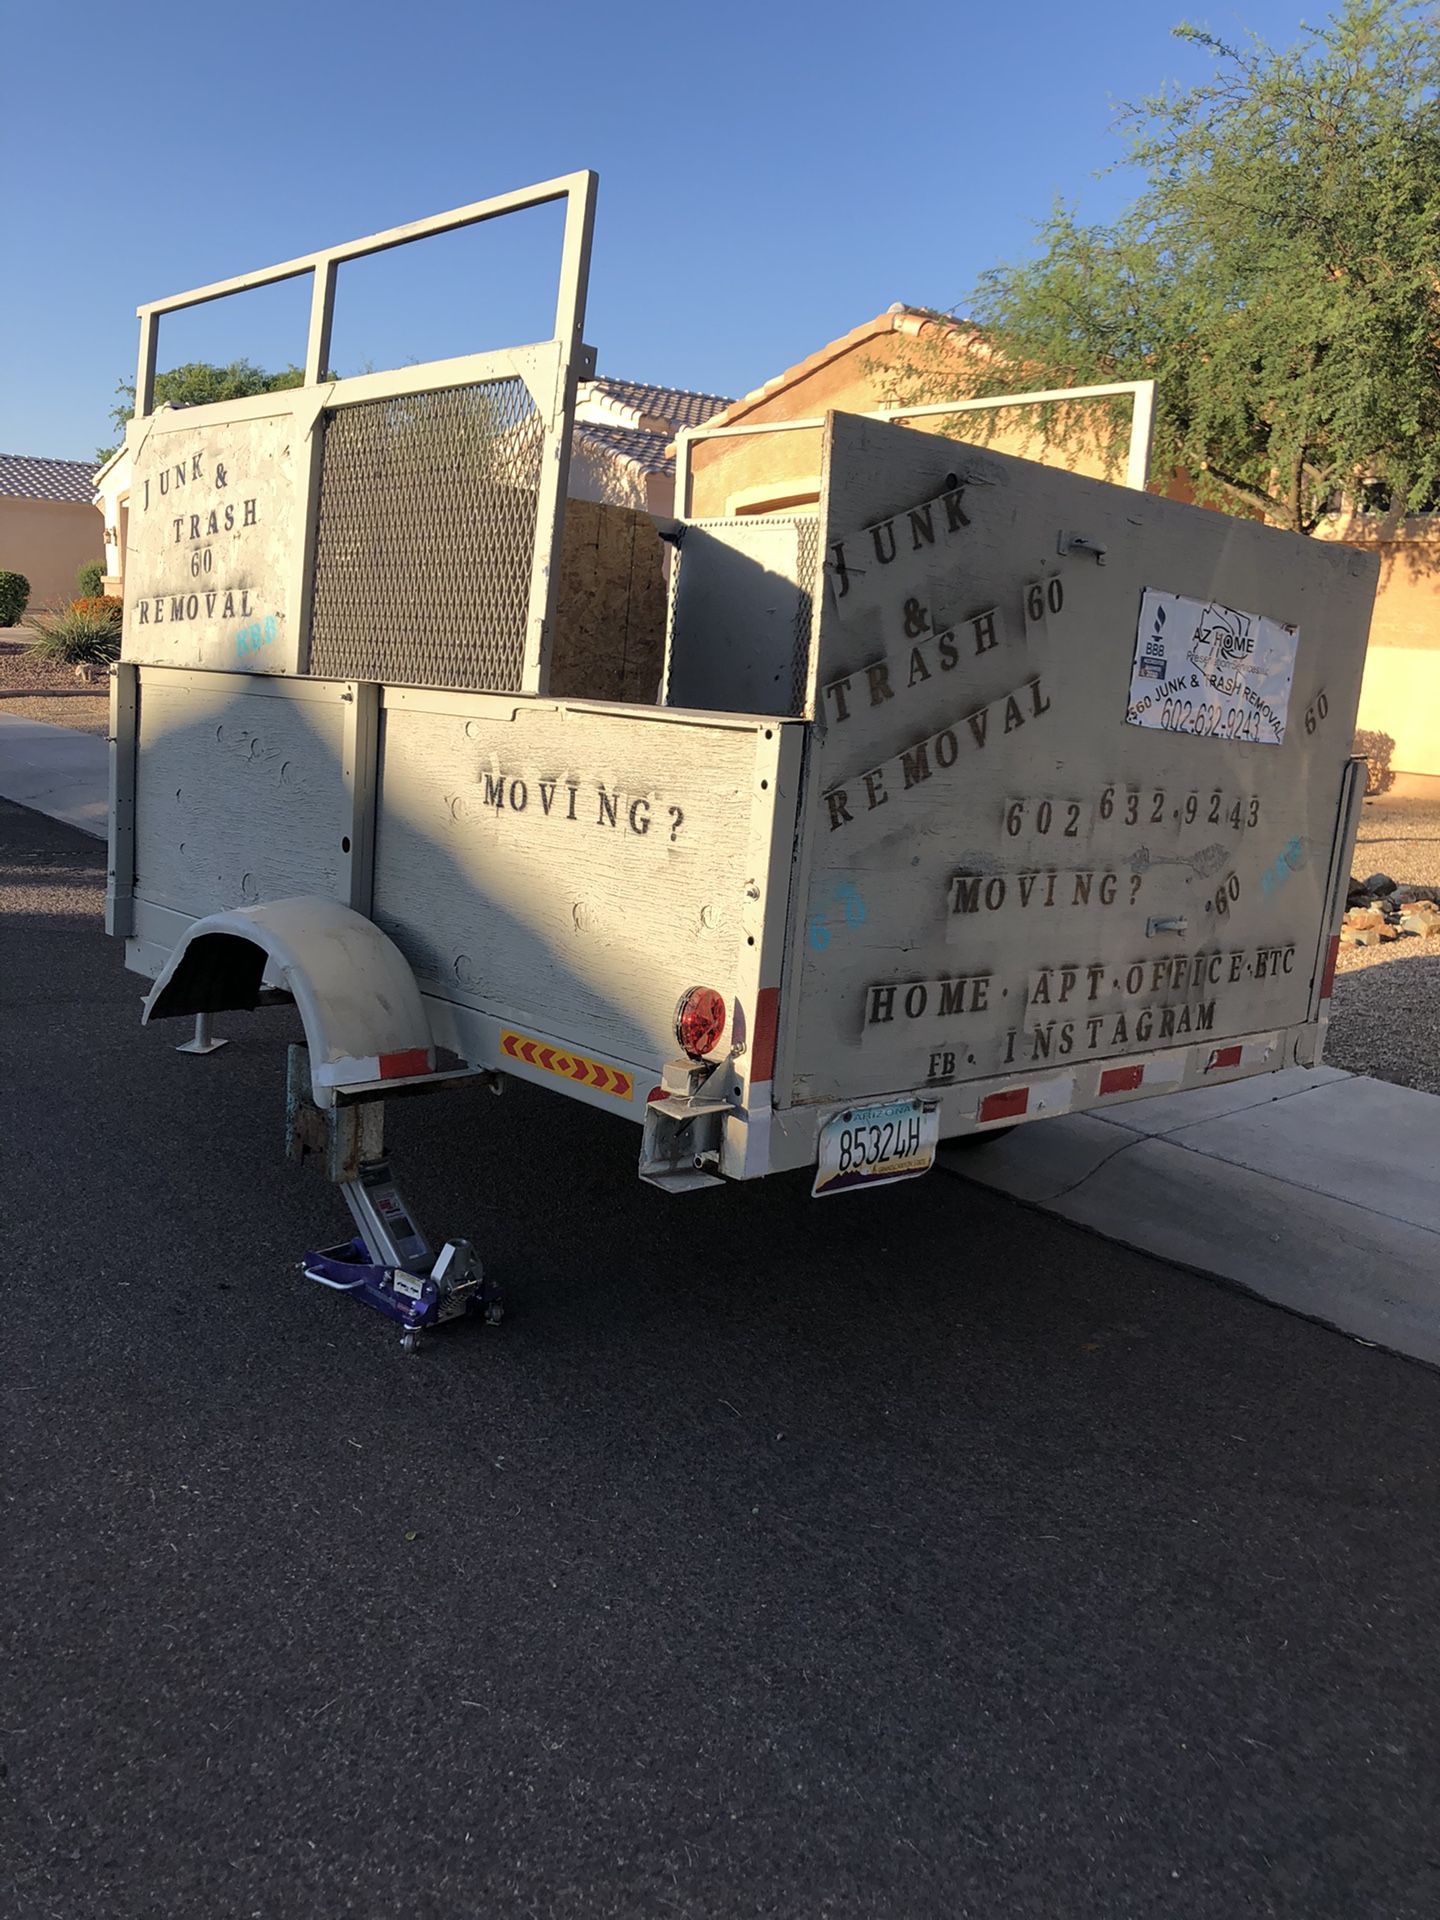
(87, 631)
(14, 597)
(90, 579)
(1375, 749)
(108, 605)
(1275, 274)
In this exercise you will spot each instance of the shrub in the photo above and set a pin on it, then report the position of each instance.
(14, 597)
(108, 605)
(90, 578)
(1375, 749)
(85, 631)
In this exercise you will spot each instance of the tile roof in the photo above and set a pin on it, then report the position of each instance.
(22, 478)
(635, 421)
(639, 447)
(634, 403)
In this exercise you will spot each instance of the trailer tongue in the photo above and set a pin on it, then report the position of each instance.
(979, 792)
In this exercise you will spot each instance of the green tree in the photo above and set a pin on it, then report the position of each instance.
(196, 384)
(1278, 276)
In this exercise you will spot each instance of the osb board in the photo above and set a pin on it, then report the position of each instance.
(1002, 871)
(610, 614)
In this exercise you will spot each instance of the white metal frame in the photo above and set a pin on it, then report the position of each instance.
(1137, 459)
(550, 369)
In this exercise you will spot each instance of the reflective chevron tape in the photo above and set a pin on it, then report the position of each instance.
(1157, 1075)
(569, 1066)
(1031, 1101)
(1253, 1054)
(410, 1064)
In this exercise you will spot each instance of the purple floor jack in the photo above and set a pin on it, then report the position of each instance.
(389, 1265)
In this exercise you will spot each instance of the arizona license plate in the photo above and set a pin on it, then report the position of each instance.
(870, 1146)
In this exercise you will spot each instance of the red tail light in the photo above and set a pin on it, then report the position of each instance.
(699, 1020)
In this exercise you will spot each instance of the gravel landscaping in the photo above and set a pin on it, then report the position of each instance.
(35, 690)
(1385, 1018)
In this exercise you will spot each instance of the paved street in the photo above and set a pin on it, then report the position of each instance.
(907, 1556)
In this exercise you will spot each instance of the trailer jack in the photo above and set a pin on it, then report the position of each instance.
(388, 1264)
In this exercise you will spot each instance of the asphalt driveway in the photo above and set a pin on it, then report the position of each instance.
(903, 1555)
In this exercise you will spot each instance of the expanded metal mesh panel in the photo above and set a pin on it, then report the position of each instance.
(425, 538)
(807, 542)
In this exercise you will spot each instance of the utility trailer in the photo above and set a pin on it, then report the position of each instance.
(978, 793)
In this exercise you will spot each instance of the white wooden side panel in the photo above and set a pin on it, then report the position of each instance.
(213, 548)
(988, 835)
(739, 636)
(240, 797)
(572, 870)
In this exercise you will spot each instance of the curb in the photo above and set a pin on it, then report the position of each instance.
(1312, 1189)
(56, 771)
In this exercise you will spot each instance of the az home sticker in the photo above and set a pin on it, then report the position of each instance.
(1212, 670)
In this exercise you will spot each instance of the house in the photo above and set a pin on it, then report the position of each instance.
(47, 524)
(1400, 695)
(621, 454)
(779, 472)
(864, 369)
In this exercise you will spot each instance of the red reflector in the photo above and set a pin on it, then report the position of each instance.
(699, 1020)
(655, 1095)
(1121, 1079)
(403, 1066)
(1004, 1106)
(1332, 956)
(1225, 1057)
(762, 1047)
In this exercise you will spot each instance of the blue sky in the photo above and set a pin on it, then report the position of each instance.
(770, 175)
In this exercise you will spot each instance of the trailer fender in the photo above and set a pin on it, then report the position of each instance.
(364, 1018)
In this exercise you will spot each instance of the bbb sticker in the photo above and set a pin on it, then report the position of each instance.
(1204, 668)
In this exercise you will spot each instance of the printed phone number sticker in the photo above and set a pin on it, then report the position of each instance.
(1211, 670)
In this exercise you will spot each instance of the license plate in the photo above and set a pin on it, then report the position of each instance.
(871, 1146)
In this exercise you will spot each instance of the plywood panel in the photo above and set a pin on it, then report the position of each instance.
(1000, 870)
(240, 796)
(211, 546)
(571, 868)
(610, 615)
(740, 631)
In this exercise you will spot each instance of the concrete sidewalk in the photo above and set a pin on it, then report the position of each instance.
(57, 771)
(1317, 1190)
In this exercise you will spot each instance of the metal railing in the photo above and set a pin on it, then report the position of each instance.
(1137, 460)
(526, 405)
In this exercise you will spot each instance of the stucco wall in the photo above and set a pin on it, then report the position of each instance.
(1401, 691)
(598, 475)
(782, 469)
(49, 541)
